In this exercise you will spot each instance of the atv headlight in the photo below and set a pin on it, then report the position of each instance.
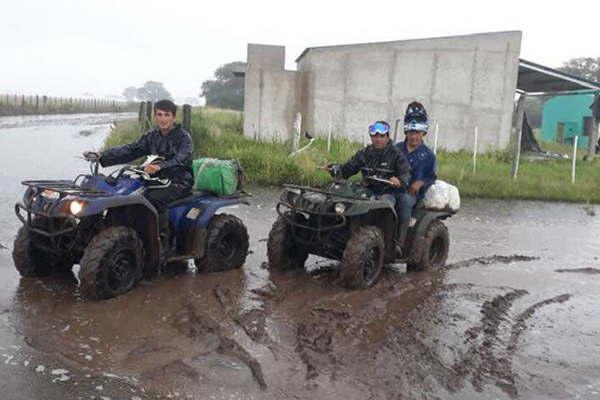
(76, 206)
(339, 208)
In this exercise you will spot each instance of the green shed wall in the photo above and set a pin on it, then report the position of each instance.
(569, 110)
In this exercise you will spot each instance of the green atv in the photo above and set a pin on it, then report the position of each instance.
(345, 222)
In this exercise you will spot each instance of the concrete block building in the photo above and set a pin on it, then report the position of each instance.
(464, 82)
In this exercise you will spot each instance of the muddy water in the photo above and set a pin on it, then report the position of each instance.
(513, 315)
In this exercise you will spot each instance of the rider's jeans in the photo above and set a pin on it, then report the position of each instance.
(403, 204)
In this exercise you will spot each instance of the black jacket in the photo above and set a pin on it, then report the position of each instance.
(387, 158)
(176, 147)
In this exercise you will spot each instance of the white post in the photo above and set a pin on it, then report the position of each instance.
(435, 137)
(475, 150)
(574, 159)
(518, 156)
(297, 130)
(329, 135)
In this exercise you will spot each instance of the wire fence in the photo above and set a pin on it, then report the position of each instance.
(19, 104)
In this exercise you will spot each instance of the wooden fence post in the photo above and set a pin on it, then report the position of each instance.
(187, 117)
(141, 112)
(149, 114)
(518, 133)
(592, 141)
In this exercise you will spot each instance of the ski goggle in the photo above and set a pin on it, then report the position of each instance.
(381, 128)
(414, 125)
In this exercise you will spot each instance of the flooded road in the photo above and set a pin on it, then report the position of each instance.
(513, 315)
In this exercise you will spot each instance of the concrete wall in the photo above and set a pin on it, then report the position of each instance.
(463, 81)
(271, 95)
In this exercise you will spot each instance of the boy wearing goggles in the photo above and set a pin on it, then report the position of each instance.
(383, 156)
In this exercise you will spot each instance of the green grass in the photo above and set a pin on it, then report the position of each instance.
(218, 133)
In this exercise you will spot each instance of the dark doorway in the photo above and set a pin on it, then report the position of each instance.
(560, 132)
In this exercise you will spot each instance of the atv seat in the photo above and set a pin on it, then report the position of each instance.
(195, 194)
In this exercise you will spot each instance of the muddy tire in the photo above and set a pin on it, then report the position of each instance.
(226, 245)
(112, 263)
(283, 254)
(31, 261)
(435, 248)
(362, 261)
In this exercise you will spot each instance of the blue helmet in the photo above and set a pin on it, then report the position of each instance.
(415, 118)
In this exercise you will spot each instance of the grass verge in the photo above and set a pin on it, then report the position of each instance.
(218, 134)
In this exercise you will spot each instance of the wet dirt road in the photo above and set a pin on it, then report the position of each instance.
(513, 315)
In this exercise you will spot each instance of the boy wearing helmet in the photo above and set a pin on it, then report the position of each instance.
(381, 154)
(420, 157)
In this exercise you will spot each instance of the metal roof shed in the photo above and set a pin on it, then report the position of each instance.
(538, 80)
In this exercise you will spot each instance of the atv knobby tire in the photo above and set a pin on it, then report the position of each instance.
(435, 248)
(226, 245)
(282, 252)
(362, 261)
(112, 263)
(35, 262)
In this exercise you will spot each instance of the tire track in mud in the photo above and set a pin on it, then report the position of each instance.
(490, 357)
(252, 322)
(195, 324)
(588, 270)
(490, 260)
(315, 340)
(521, 322)
(480, 359)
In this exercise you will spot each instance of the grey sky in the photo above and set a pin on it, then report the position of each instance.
(66, 48)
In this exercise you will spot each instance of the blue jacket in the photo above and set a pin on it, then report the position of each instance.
(423, 165)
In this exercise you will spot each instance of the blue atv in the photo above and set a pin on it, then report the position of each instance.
(106, 225)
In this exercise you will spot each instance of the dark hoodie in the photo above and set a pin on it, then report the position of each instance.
(387, 158)
(176, 147)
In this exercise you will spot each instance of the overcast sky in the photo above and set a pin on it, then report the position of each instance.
(66, 48)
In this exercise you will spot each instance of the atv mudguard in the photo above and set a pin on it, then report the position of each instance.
(416, 235)
(191, 216)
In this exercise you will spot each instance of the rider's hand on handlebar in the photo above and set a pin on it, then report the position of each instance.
(151, 169)
(395, 181)
(333, 169)
(91, 156)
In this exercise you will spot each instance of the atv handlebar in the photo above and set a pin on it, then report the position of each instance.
(140, 173)
(377, 179)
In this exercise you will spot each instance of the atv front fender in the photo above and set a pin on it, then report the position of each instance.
(93, 206)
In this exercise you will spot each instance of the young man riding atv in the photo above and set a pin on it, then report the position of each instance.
(109, 224)
(364, 225)
(169, 141)
(381, 155)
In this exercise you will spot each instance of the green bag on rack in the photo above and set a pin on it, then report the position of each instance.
(221, 177)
